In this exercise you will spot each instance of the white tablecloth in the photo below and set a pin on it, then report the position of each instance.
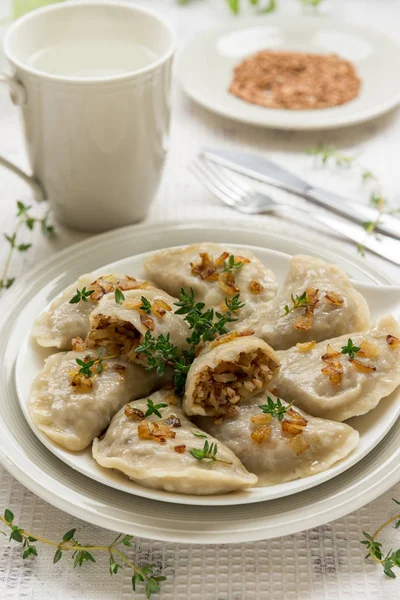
(325, 563)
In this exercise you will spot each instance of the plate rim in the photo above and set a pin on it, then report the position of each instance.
(374, 482)
(340, 121)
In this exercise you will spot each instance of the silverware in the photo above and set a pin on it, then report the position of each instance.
(240, 196)
(268, 172)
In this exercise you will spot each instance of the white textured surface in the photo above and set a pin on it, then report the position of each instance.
(322, 564)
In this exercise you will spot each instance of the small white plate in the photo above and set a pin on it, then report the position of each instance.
(205, 67)
(27, 459)
(372, 427)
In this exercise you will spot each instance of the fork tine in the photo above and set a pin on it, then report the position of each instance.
(232, 187)
(218, 181)
(203, 176)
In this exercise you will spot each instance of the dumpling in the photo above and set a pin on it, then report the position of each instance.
(328, 306)
(122, 327)
(326, 383)
(63, 321)
(282, 450)
(202, 267)
(228, 370)
(72, 409)
(156, 452)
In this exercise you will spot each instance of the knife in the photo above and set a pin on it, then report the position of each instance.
(268, 172)
(380, 245)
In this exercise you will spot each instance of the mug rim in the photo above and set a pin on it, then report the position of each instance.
(90, 80)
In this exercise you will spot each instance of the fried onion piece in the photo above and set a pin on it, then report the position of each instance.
(362, 367)
(227, 283)
(261, 433)
(206, 269)
(334, 298)
(333, 370)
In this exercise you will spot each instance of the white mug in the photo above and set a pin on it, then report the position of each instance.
(96, 139)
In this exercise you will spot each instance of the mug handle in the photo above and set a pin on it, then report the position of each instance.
(18, 97)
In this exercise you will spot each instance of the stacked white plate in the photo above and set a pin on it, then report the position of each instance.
(75, 484)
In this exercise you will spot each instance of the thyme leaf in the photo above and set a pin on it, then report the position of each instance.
(145, 306)
(350, 349)
(208, 453)
(275, 409)
(230, 265)
(82, 294)
(154, 408)
(119, 296)
(297, 302)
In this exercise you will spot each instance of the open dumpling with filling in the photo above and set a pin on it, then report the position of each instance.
(63, 320)
(327, 306)
(282, 450)
(121, 326)
(214, 272)
(326, 383)
(164, 450)
(227, 371)
(72, 408)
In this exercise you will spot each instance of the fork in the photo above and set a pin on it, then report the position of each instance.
(232, 190)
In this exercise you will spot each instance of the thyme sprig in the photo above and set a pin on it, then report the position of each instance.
(204, 325)
(145, 306)
(89, 362)
(154, 409)
(82, 553)
(350, 349)
(231, 265)
(24, 219)
(82, 294)
(392, 558)
(297, 302)
(234, 303)
(208, 453)
(328, 154)
(275, 409)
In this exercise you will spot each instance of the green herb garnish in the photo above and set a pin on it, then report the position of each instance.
(119, 296)
(154, 408)
(230, 265)
(275, 409)
(145, 306)
(89, 362)
(234, 303)
(392, 558)
(86, 365)
(82, 553)
(161, 353)
(297, 302)
(207, 453)
(82, 294)
(350, 349)
(199, 434)
(24, 218)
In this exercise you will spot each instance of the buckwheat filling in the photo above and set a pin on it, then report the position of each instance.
(224, 386)
(118, 336)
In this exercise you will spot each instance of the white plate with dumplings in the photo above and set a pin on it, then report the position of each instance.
(76, 484)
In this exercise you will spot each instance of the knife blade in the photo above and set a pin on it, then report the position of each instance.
(381, 245)
(267, 171)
